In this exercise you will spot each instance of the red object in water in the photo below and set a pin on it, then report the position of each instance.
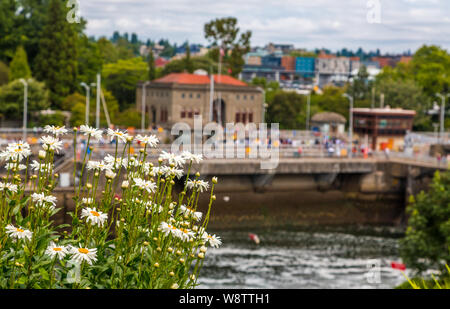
(254, 238)
(397, 265)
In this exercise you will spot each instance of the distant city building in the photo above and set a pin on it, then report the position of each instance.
(383, 127)
(177, 97)
(305, 66)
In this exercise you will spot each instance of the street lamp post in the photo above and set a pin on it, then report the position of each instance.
(25, 108)
(143, 103)
(350, 127)
(87, 102)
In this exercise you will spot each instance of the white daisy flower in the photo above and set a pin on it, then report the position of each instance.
(18, 233)
(170, 229)
(41, 198)
(151, 140)
(56, 251)
(95, 133)
(123, 136)
(84, 254)
(200, 185)
(213, 240)
(145, 184)
(197, 215)
(51, 143)
(8, 186)
(185, 234)
(96, 165)
(171, 158)
(190, 157)
(13, 166)
(16, 151)
(110, 174)
(36, 166)
(94, 217)
(55, 130)
(114, 162)
(171, 171)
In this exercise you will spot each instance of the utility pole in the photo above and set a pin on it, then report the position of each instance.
(88, 95)
(97, 107)
(143, 103)
(350, 127)
(308, 110)
(25, 108)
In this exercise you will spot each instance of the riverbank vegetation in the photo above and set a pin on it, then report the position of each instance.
(132, 232)
(426, 245)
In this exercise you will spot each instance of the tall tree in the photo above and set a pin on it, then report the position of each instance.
(224, 33)
(4, 73)
(151, 65)
(188, 61)
(19, 67)
(56, 63)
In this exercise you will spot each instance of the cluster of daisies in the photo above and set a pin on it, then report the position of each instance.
(79, 254)
(181, 223)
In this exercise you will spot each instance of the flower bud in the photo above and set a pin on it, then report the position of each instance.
(201, 255)
(156, 265)
(42, 154)
(197, 174)
(174, 286)
(171, 274)
(125, 184)
(214, 180)
(181, 261)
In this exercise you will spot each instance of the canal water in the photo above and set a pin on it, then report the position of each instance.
(299, 259)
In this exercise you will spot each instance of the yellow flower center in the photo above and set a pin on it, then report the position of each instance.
(20, 230)
(57, 249)
(84, 251)
(94, 213)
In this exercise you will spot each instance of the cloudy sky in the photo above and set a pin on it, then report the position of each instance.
(391, 25)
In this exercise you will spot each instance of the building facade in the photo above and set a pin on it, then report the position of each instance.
(178, 97)
(383, 127)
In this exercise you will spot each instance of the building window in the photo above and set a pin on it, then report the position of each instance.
(244, 118)
(183, 113)
(197, 112)
(198, 95)
(238, 117)
(237, 96)
(183, 95)
(190, 114)
(245, 97)
(190, 95)
(250, 117)
(252, 97)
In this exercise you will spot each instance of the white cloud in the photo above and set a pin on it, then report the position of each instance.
(405, 24)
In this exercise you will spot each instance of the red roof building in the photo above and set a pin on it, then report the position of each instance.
(178, 97)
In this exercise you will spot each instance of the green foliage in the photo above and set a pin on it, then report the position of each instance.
(56, 119)
(224, 33)
(11, 98)
(427, 240)
(4, 73)
(19, 67)
(89, 60)
(121, 79)
(430, 67)
(56, 63)
(287, 109)
(151, 66)
(129, 118)
(179, 65)
(331, 101)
